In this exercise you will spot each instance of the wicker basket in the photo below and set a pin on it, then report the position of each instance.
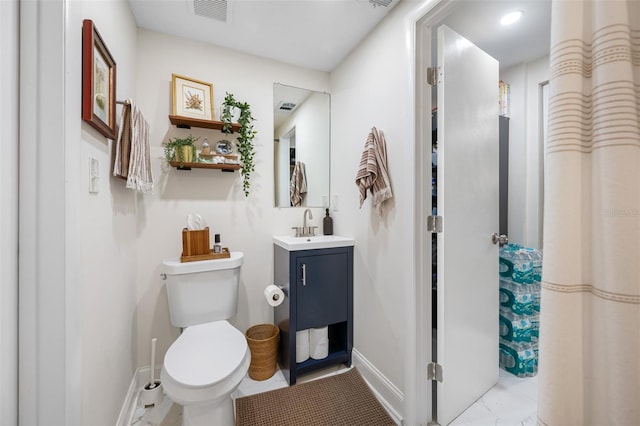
(263, 343)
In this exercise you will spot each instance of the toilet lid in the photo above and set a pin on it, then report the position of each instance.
(205, 354)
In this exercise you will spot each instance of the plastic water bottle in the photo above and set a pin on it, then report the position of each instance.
(536, 259)
(516, 264)
(522, 267)
(518, 358)
(535, 327)
(517, 298)
(514, 328)
(536, 297)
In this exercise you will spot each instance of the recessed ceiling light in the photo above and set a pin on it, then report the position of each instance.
(511, 17)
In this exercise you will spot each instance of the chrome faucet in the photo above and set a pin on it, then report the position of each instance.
(304, 230)
(304, 217)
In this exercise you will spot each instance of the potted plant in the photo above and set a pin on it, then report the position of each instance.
(181, 149)
(245, 135)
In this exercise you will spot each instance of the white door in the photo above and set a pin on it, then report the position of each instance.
(467, 265)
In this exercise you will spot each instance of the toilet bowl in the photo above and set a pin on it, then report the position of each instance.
(202, 368)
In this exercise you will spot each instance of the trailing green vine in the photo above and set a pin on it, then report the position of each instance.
(245, 137)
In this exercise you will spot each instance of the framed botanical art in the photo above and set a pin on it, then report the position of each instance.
(192, 98)
(98, 82)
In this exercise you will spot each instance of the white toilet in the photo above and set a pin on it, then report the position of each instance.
(211, 357)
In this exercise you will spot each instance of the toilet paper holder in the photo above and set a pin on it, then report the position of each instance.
(274, 294)
(276, 297)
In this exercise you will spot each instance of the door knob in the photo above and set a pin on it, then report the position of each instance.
(499, 239)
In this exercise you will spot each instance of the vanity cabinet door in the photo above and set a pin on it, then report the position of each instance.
(322, 289)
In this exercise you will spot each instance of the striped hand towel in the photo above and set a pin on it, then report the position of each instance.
(298, 184)
(373, 172)
(133, 157)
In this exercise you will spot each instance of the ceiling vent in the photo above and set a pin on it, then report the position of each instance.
(384, 3)
(220, 10)
(286, 106)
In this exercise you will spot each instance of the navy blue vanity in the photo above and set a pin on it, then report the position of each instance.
(318, 285)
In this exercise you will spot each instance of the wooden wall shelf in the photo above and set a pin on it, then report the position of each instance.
(187, 123)
(189, 166)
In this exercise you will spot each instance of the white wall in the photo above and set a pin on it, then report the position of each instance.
(246, 224)
(525, 160)
(374, 87)
(9, 212)
(103, 225)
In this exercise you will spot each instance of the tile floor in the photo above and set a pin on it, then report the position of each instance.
(513, 401)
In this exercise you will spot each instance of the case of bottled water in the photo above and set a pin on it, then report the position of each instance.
(519, 320)
(520, 359)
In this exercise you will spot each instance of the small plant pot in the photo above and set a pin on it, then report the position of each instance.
(185, 154)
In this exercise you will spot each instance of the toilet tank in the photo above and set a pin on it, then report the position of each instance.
(202, 291)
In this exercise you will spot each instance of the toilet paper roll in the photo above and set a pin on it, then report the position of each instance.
(302, 345)
(319, 343)
(274, 295)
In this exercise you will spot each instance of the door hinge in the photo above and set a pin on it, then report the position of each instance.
(434, 371)
(432, 76)
(434, 224)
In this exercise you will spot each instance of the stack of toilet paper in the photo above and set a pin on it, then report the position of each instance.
(312, 343)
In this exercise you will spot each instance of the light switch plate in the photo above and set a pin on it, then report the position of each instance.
(94, 176)
(334, 202)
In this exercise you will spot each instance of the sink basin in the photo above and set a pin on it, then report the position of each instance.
(310, 243)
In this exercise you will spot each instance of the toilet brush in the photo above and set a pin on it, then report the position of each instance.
(151, 393)
(152, 382)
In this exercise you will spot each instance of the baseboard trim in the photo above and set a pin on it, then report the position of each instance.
(387, 393)
(140, 377)
(129, 405)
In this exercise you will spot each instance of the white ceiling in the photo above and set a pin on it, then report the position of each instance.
(526, 40)
(316, 34)
(319, 34)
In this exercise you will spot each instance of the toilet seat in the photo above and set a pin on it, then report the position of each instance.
(206, 354)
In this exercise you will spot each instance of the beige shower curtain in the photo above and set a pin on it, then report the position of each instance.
(590, 312)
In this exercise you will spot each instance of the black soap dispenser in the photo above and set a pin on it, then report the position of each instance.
(327, 224)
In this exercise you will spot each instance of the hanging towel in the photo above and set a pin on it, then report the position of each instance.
(123, 143)
(133, 158)
(298, 185)
(373, 172)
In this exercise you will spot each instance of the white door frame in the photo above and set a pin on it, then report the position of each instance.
(50, 387)
(418, 394)
(9, 80)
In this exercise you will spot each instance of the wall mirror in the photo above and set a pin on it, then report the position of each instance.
(302, 136)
